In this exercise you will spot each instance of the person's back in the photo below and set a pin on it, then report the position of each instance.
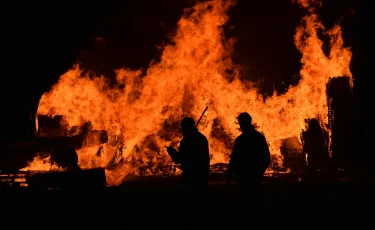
(192, 155)
(250, 155)
(249, 160)
(195, 158)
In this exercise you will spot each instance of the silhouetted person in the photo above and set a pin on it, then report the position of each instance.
(194, 159)
(250, 155)
(65, 156)
(249, 161)
(193, 156)
(315, 146)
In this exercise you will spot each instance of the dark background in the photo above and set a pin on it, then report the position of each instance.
(42, 40)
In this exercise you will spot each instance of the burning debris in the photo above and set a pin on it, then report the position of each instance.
(142, 115)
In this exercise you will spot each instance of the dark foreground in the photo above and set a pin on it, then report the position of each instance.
(152, 203)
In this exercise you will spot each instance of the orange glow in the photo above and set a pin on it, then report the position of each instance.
(143, 116)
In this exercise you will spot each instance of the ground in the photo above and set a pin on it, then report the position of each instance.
(151, 202)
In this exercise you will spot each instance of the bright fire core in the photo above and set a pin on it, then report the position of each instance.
(142, 112)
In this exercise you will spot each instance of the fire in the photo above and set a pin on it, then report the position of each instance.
(142, 112)
(42, 164)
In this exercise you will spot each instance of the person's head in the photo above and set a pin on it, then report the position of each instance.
(188, 125)
(314, 125)
(245, 121)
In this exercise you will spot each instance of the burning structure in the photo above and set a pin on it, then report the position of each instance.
(141, 112)
(340, 95)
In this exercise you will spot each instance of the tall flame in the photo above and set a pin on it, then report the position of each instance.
(142, 112)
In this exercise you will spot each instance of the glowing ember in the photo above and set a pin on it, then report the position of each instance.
(143, 116)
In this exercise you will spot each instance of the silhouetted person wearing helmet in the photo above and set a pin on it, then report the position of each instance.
(193, 156)
(249, 161)
(250, 155)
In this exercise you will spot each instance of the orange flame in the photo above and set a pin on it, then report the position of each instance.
(42, 164)
(141, 114)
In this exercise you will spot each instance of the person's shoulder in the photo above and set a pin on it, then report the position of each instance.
(259, 134)
(202, 136)
(239, 138)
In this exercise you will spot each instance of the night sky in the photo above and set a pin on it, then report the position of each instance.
(43, 40)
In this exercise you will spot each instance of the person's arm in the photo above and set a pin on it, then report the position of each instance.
(174, 154)
(267, 154)
(177, 156)
(232, 161)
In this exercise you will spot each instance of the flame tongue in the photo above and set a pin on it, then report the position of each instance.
(142, 117)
